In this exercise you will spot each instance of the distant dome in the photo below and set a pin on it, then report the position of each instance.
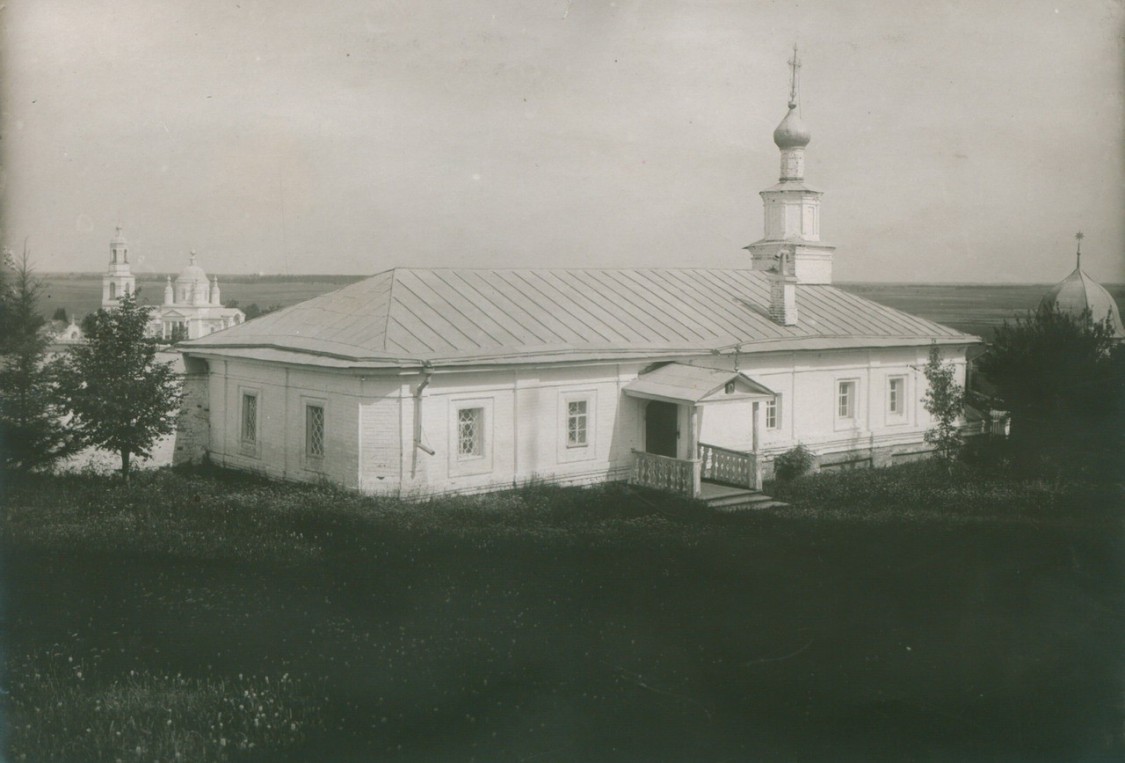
(191, 273)
(792, 133)
(1078, 292)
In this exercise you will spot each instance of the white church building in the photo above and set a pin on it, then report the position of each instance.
(192, 307)
(423, 381)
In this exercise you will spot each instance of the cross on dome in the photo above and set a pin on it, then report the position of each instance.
(1078, 237)
(794, 69)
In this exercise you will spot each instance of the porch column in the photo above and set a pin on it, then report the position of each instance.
(695, 415)
(756, 417)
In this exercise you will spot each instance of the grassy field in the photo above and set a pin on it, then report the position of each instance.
(977, 309)
(963, 618)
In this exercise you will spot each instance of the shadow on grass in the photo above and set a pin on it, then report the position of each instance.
(557, 624)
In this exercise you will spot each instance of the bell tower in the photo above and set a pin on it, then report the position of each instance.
(118, 279)
(791, 208)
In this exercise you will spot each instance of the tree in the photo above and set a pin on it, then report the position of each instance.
(121, 397)
(1063, 380)
(7, 272)
(944, 401)
(60, 315)
(32, 429)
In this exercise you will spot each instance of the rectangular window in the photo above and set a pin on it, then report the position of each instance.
(576, 420)
(896, 395)
(314, 431)
(249, 417)
(773, 420)
(470, 432)
(845, 400)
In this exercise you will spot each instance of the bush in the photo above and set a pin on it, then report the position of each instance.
(793, 463)
(950, 489)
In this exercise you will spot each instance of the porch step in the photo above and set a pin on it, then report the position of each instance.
(738, 500)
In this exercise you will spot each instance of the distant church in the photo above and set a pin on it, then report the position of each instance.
(1078, 293)
(192, 305)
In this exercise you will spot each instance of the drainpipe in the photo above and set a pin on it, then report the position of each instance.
(427, 372)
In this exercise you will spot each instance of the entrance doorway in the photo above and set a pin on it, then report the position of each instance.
(661, 425)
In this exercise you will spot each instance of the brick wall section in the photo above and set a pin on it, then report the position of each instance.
(193, 430)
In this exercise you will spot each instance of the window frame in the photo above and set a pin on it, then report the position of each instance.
(250, 446)
(469, 465)
(896, 416)
(849, 419)
(478, 433)
(584, 416)
(313, 458)
(772, 406)
(567, 451)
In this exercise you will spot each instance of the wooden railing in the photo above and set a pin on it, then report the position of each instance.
(663, 473)
(731, 467)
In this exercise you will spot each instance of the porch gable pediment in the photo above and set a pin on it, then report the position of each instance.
(681, 383)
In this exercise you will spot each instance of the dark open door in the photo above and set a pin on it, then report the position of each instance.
(661, 421)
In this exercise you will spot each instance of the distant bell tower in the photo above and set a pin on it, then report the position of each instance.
(118, 280)
(792, 209)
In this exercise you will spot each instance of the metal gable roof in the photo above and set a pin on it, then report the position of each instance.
(467, 315)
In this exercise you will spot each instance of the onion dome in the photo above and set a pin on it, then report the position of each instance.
(792, 133)
(1078, 292)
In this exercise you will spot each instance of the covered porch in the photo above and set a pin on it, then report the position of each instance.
(674, 399)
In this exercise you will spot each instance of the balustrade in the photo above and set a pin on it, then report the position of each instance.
(663, 473)
(731, 467)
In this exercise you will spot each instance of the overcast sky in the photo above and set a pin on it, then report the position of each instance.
(964, 140)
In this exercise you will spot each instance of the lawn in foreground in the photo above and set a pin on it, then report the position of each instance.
(258, 621)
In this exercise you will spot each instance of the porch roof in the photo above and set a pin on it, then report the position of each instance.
(681, 383)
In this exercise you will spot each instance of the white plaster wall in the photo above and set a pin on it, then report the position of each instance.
(282, 395)
(369, 426)
(807, 383)
(524, 428)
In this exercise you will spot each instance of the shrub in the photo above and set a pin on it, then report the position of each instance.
(793, 463)
(944, 401)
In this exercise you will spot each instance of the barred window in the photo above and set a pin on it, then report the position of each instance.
(896, 389)
(773, 420)
(469, 432)
(576, 420)
(314, 431)
(845, 400)
(249, 417)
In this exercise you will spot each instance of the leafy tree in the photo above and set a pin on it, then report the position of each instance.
(944, 401)
(1063, 380)
(60, 315)
(121, 397)
(32, 429)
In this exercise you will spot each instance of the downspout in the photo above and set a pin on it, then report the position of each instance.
(427, 372)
